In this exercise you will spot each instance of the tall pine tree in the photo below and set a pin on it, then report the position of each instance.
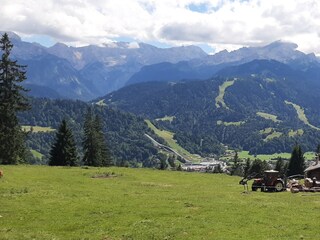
(96, 151)
(296, 164)
(12, 100)
(64, 150)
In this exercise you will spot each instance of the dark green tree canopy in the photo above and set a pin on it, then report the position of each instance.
(296, 164)
(96, 151)
(64, 150)
(12, 100)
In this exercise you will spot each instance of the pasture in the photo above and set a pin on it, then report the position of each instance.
(41, 202)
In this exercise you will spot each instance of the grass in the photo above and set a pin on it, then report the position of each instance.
(166, 118)
(268, 116)
(36, 154)
(222, 89)
(41, 202)
(37, 129)
(301, 115)
(245, 155)
(168, 138)
(219, 122)
(293, 133)
(272, 136)
(266, 131)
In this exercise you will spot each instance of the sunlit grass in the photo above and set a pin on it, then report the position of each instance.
(220, 98)
(301, 114)
(37, 129)
(268, 116)
(40, 202)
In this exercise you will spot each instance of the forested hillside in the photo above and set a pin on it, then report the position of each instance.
(265, 112)
(124, 132)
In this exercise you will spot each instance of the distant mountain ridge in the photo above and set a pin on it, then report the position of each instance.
(207, 67)
(91, 71)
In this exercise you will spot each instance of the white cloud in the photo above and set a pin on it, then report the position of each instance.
(221, 24)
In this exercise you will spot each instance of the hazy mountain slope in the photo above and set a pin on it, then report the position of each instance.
(91, 71)
(206, 67)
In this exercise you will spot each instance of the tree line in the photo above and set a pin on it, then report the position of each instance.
(295, 166)
(12, 138)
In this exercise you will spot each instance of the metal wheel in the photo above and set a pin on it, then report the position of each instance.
(278, 187)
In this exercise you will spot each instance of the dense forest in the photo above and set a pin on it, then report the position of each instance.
(263, 113)
(124, 132)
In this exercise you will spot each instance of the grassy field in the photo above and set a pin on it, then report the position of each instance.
(301, 114)
(41, 202)
(222, 89)
(36, 153)
(219, 122)
(37, 129)
(166, 118)
(268, 116)
(168, 137)
(245, 155)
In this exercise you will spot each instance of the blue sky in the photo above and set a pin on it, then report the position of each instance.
(213, 25)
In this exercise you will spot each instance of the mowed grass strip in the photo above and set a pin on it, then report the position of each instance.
(37, 129)
(301, 115)
(41, 202)
(222, 89)
(268, 116)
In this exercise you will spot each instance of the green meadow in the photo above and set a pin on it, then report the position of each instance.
(41, 202)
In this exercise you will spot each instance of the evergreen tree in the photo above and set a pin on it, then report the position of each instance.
(64, 151)
(96, 151)
(12, 100)
(280, 166)
(258, 167)
(296, 164)
(163, 161)
(236, 167)
(247, 168)
(104, 152)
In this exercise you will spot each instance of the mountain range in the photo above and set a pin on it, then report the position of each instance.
(261, 99)
(263, 106)
(91, 71)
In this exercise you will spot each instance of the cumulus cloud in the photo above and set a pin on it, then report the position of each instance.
(218, 23)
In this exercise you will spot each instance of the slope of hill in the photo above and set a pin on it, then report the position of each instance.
(124, 132)
(237, 116)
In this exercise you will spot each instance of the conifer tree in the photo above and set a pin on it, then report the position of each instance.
(12, 100)
(64, 150)
(96, 151)
(296, 164)
(103, 150)
(236, 167)
(247, 167)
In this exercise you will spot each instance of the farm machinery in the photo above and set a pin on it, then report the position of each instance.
(269, 182)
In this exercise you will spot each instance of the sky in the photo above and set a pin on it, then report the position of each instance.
(214, 25)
